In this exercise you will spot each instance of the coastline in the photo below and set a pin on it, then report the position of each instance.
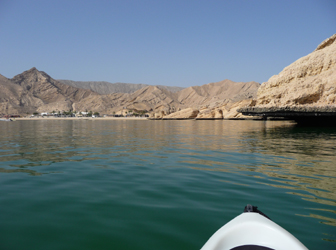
(79, 118)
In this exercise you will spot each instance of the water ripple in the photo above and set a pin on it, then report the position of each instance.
(171, 184)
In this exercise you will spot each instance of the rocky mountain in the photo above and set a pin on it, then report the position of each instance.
(34, 90)
(166, 102)
(14, 99)
(53, 94)
(103, 88)
(147, 98)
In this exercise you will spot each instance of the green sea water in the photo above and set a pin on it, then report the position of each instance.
(123, 184)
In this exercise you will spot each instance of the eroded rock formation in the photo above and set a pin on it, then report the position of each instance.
(229, 110)
(188, 113)
(311, 80)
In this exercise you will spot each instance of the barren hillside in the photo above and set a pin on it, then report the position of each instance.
(35, 90)
(103, 88)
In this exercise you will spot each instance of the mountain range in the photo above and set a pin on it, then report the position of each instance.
(35, 91)
(308, 83)
(103, 88)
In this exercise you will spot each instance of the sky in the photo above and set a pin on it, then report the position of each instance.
(161, 42)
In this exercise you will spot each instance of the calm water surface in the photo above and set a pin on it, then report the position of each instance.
(160, 184)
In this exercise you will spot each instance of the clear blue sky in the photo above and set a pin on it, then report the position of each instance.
(168, 42)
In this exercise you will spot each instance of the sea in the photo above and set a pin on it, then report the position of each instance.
(141, 184)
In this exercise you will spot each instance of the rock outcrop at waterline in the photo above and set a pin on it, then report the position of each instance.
(227, 110)
(307, 84)
(188, 113)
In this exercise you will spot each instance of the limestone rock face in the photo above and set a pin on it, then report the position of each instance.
(230, 110)
(215, 113)
(188, 113)
(225, 111)
(14, 99)
(311, 80)
(159, 115)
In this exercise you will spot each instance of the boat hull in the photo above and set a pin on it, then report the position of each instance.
(252, 231)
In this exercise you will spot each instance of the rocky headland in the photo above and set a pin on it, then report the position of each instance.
(304, 91)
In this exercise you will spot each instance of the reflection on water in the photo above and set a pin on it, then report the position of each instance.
(297, 158)
(39, 141)
(31, 172)
(305, 160)
(278, 155)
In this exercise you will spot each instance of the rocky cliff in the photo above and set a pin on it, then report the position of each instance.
(311, 80)
(147, 98)
(304, 91)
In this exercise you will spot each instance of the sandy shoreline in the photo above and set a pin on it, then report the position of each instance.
(79, 118)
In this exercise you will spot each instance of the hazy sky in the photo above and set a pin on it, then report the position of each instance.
(178, 43)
